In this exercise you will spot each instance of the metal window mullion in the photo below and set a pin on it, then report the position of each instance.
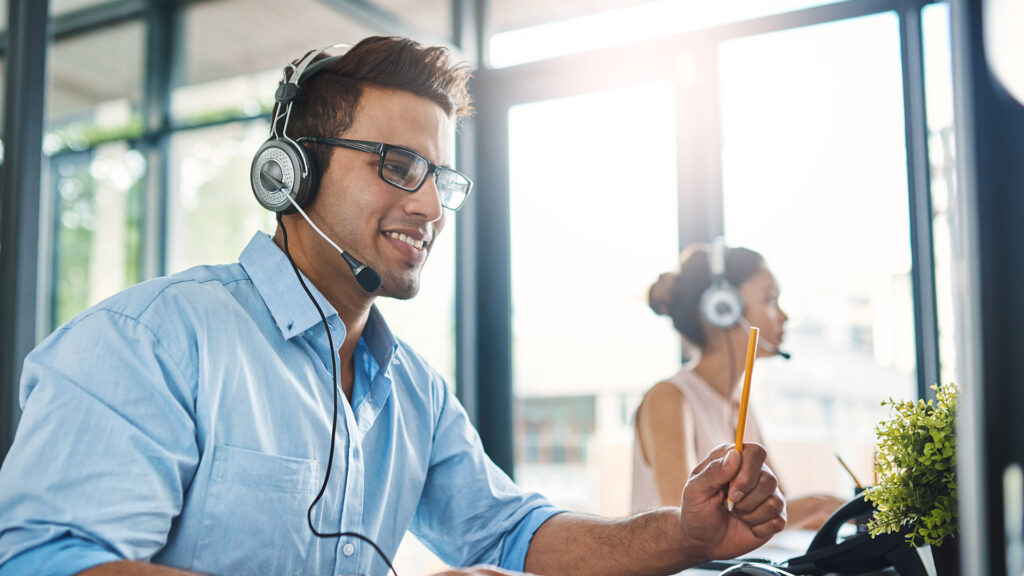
(466, 34)
(163, 69)
(492, 281)
(24, 111)
(920, 208)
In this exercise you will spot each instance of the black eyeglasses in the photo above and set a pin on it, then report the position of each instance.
(405, 169)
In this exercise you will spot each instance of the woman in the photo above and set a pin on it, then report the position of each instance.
(713, 299)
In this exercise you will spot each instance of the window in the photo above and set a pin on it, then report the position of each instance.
(95, 87)
(593, 223)
(814, 177)
(94, 175)
(99, 230)
(550, 29)
(235, 51)
(3, 89)
(212, 212)
(432, 17)
(60, 7)
(942, 155)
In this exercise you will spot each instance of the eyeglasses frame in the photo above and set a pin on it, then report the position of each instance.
(381, 149)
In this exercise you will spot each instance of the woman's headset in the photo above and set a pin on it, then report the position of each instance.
(720, 304)
(282, 167)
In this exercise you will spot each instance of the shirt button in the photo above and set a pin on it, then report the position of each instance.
(348, 549)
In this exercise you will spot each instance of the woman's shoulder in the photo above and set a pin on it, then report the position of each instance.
(665, 396)
(685, 381)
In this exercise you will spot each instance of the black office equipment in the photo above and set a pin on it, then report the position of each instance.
(859, 553)
(829, 554)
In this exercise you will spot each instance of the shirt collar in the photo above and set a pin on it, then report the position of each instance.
(274, 278)
(379, 339)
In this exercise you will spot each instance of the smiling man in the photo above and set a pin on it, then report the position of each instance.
(260, 417)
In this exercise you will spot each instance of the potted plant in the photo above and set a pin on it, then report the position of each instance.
(916, 490)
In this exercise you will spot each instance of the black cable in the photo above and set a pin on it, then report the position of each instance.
(334, 422)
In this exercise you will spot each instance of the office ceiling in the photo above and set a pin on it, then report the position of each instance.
(226, 38)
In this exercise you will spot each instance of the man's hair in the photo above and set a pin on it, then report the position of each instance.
(327, 102)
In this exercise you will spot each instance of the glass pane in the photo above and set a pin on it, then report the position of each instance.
(235, 51)
(942, 155)
(98, 210)
(531, 31)
(814, 171)
(3, 71)
(593, 223)
(59, 7)
(432, 17)
(3, 96)
(212, 212)
(95, 88)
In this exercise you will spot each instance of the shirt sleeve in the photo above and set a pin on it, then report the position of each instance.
(470, 511)
(61, 557)
(104, 449)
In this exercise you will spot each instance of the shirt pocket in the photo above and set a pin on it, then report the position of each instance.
(254, 517)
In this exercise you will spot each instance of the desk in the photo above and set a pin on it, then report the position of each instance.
(790, 543)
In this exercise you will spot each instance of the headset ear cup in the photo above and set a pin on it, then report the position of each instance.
(281, 168)
(721, 305)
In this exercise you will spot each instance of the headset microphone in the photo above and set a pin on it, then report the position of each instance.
(773, 348)
(367, 277)
(765, 344)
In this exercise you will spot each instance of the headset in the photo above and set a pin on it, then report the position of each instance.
(720, 304)
(284, 178)
(284, 175)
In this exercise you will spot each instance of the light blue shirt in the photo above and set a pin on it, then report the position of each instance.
(187, 421)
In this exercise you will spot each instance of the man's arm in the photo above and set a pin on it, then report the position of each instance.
(105, 446)
(668, 540)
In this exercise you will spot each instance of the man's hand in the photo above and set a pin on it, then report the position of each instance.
(668, 540)
(709, 529)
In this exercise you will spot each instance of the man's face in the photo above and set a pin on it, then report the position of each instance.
(389, 229)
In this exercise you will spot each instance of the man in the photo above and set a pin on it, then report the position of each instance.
(187, 422)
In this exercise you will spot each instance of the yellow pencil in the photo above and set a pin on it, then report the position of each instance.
(742, 423)
(745, 398)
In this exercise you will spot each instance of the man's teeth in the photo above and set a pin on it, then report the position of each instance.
(417, 244)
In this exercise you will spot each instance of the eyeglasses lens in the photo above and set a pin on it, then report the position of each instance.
(408, 171)
(403, 169)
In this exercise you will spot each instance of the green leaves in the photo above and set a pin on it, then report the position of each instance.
(916, 466)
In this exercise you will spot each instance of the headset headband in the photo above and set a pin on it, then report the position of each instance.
(716, 259)
(283, 174)
(293, 76)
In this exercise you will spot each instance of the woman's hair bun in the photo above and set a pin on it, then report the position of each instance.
(660, 294)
